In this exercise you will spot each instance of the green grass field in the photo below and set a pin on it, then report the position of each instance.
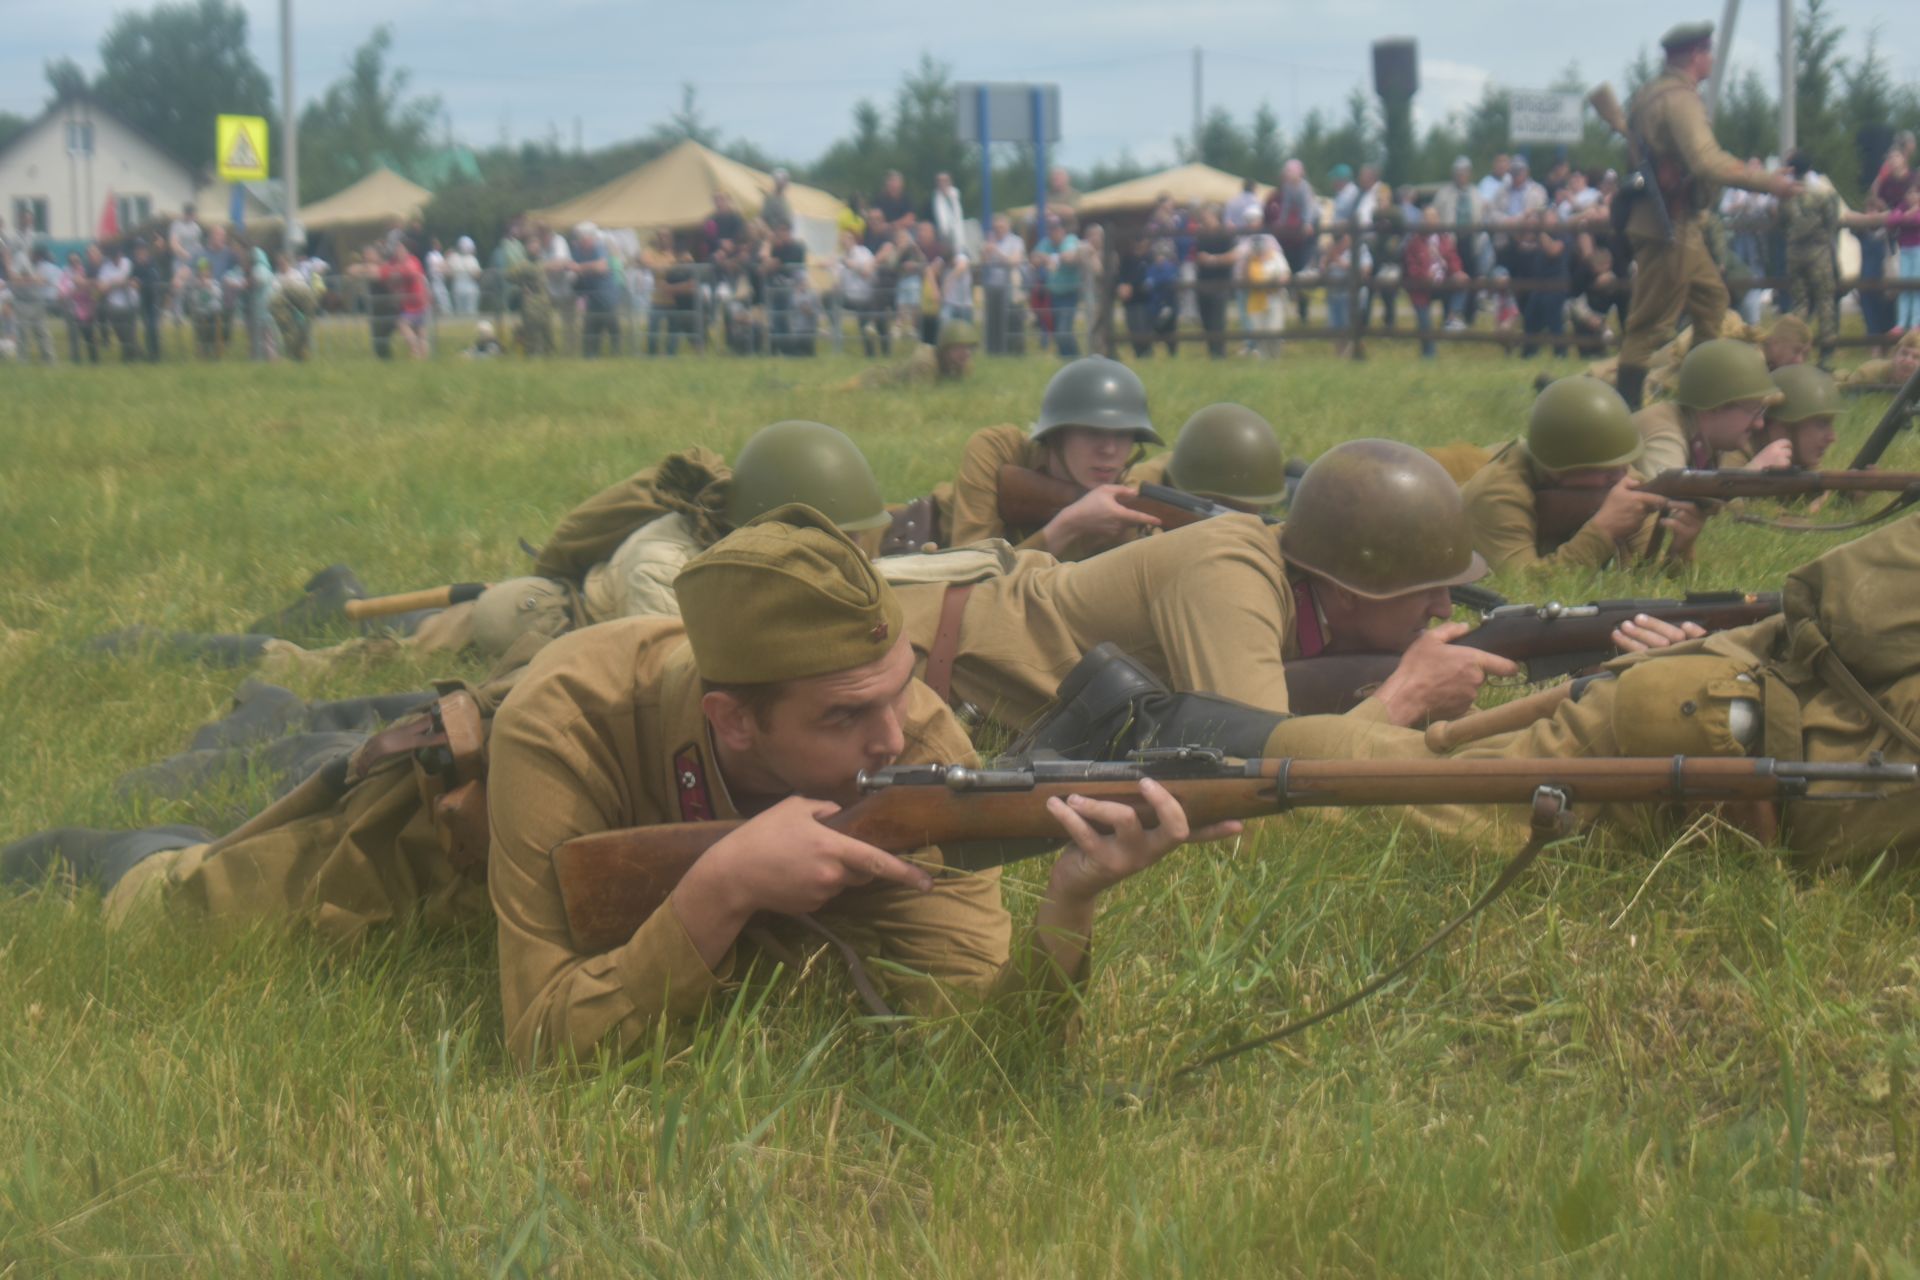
(1642, 1061)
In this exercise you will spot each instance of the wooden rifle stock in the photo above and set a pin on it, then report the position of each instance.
(1560, 512)
(610, 882)
(408, 602)
(1029, 499)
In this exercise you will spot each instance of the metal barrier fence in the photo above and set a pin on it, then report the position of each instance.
(798, 309)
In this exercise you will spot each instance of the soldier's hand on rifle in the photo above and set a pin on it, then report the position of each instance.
(1625, 509)
(1777, 454)
(1637, 635)
(1096, 514)
(1437, 679)
(1683, 523)
(1110, 842)
(784, 861)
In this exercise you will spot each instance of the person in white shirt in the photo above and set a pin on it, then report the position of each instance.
(119, 299)
(1493, 187)
(949, 219)
(1002, 278)
(436, 266)
(956, 291)
(1246, 210)
(463, 269)
(853, 275)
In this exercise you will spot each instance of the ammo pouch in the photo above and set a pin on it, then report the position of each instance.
(1695, 705)
(915, 527)
(447, 747)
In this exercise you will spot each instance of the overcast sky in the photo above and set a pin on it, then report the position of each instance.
(786, 75)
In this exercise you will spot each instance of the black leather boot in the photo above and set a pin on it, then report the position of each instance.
(1630, 381)
(216, 649)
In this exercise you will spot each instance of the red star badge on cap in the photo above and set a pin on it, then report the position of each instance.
(879, 632)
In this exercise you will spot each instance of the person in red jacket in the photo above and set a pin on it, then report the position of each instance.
(1432, 260)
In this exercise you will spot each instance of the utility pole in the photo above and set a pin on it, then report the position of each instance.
(1788, 78)
(1723, 41)
(290, 124)
(1197, 102)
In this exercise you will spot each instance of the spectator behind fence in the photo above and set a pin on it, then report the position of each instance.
(677, 296)
(1904, 224)
(1293, 218)
(894, 207)
(775, 212)
(956, 291)
(927, 241)
(435, 263)
(1057, 257)
(463, 274)
(1460, 206)
(1387, 242)
(201, 301)
(263, 335)
(946, 213)
(1878, 261)
(77, 304)
(153, 277)
(1741, 210)
(784, 267)
(1214, 258)
(36, 298)
(1538, 256)
(1597, 308)
(1245, 210)
(1431, 263)
(1266, 295)
(1002, 274)
(853, 273)
(1523, 195)
(597, 282)
(1493, 187)
(401, 301)
(187, 240)
(226, 266)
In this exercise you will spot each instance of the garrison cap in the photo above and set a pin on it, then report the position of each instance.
(786, 597)
(1686, 35)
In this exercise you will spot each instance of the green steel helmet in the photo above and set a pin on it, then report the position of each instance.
(810, 462)
(1808, 391)
(1381, 519)
(1096, 392)
(1229, 453)
(1581, 422)
(958, 333)
(1721, 371)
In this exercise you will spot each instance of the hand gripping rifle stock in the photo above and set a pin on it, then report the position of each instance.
(1552, 639)
(611, 882)
(1029, 499)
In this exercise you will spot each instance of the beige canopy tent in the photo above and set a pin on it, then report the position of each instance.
(1186, 183)
(675, 191)
(381, 197)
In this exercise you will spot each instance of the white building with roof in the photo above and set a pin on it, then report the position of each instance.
(62, 168)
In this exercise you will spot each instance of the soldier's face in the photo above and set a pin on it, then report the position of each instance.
(1728, 426)
(821, 732)
(1905, 361)
(1091, 457)
(1781, 352)
(1811, 440)
(1360, 625)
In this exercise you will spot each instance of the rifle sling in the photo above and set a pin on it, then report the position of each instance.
(1549, 823)
(1829, 666)
(946, 641)
(1793, 524)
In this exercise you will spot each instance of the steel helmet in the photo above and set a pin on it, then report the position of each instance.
(1721, 371)
(1098, 393)
(1807, 391)
(1229, 453)
(1381, 519)
(1581, 422)
(810, 462)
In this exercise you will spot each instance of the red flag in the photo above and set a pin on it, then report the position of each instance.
(109, 220)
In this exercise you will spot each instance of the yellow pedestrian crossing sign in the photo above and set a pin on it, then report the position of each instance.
(240, 145)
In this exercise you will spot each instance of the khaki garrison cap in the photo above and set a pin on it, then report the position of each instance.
(786, 597)
(1687, 33)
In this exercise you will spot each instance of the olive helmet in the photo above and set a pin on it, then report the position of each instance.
(1581, 422)
(1381, 519)
(1807, 391)
(958, 333)
(810, 462)
(1099, 393)
(1721, 371)
(1229, 453)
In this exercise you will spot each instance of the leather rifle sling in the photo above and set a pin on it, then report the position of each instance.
(946, 641)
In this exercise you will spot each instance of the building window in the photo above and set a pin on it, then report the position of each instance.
(30, 212)
(80, 137)
(133, 211)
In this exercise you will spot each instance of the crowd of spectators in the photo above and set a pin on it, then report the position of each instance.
(1509, 249)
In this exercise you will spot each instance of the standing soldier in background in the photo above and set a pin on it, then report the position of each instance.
(1668, 124)
(1812, 226)
(529, 276)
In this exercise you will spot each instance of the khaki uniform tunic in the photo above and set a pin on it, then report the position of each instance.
(1664, 428)
(976, 492)
(589, 742)
(1205, 608)
(1500, 511)
(1670, 277)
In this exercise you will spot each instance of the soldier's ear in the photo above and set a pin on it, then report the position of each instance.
(733, 721)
